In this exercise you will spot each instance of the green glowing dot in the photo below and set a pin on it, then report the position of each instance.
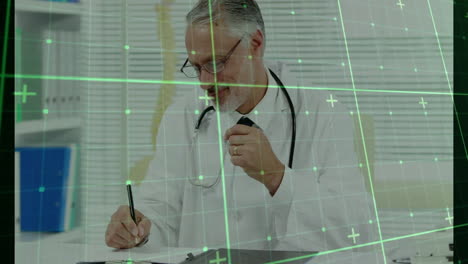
(194, 52)
(307, 112)
(129, 261)
(372, 24)
(370, 221)
(269, 238)
(244, 5)
(48, 41)
(299, 60)
(436, 159)
(249, 57)
(45, 111)
(343, 64)
(334, 18)
(205, 249)
(197, 112)
(324, 229)
(200, 177)
(425, 113)
(41, 189)
(390, 113)
(127, 47)
(256, 112)
(128, 182)
(381, 67)
(128, 111)
(415, 69)
(293, 13)
(351, 112)
(262, 172)
(360, 165)
(406, 29)
(314, 168)
(411, 214)
(401, 162)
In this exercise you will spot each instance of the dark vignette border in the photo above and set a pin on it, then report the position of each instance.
(7, 235)
(460, 76)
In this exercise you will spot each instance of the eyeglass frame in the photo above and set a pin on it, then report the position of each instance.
(223, 60)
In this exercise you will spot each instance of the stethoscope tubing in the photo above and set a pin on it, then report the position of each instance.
(293, 120)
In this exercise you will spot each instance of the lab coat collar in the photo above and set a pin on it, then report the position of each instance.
(272, 99)
(270, 104)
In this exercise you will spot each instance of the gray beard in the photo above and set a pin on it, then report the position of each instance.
(231, 104)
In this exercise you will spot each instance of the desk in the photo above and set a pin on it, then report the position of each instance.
(69, 253)
(64, 253)
(69, 248)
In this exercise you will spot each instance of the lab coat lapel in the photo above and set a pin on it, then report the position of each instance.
(274, 114)
(272, 117)
(281, 128)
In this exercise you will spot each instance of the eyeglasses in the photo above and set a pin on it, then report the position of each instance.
(192, 71)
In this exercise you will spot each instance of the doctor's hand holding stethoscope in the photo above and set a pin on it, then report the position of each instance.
(250, 149)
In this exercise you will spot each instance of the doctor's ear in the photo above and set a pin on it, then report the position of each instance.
(257, 44)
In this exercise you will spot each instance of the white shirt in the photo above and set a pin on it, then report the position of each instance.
(320, 202)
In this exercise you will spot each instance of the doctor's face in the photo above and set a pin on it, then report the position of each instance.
(238, 69)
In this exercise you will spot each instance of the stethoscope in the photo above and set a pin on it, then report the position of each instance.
(211, 108)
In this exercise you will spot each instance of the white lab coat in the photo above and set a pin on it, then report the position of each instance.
(325, 188)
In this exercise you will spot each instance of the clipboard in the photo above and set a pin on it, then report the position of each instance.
(249, 256)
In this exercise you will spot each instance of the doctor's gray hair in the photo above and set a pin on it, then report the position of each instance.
(240, 16)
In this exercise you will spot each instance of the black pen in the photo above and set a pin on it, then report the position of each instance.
(130, 201)
(132, 208)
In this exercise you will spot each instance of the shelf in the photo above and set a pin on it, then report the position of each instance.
(48, 7)
(44, 126)
(58, 237)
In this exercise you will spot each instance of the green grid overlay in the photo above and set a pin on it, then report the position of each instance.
(354, 90)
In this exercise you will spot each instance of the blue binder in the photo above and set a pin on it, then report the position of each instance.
(44, 180)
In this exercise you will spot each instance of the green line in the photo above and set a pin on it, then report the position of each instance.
(18, 67)
(5, 45)
(97, 79)
(367, 244)
(362, 132)
(220, 138)
(447, 77)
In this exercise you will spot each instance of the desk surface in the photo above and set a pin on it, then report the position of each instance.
(63, 249)
(64, 253)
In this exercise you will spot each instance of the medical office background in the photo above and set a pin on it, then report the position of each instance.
(89, 76)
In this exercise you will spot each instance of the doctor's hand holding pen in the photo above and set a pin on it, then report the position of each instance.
(125, 232)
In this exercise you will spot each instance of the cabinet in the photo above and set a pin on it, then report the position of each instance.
(48, 42)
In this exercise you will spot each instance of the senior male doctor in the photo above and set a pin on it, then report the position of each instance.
(286, 177)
